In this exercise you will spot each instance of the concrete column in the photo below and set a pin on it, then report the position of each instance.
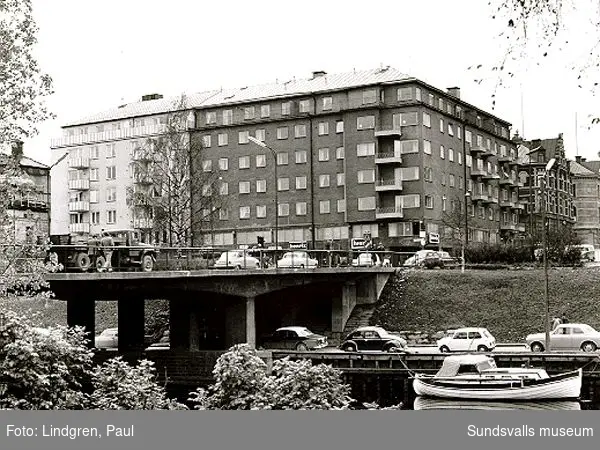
(131, 324)
(341, 308)
(82, 312)
(179, 325)
(250, 322)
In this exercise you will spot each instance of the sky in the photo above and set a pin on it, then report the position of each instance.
(103, 54)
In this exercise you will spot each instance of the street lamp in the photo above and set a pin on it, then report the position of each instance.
(545, 247)
(263, 145)
(466, 236)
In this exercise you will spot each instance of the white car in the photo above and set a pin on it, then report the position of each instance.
(109, 338)
(367, 260)
(237, 259)
(467, 340)
(297, 259)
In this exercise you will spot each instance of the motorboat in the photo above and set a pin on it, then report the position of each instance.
(476, 377)
(426, 403)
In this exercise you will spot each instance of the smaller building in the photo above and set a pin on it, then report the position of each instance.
(586, 181)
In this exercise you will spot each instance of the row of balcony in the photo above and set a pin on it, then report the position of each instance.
(105, 136)
(84, 227)
(511, 226)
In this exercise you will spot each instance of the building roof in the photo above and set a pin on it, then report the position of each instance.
(594, 166)
(579, 170)
(554, 147)
(318, 83)
(25, 161)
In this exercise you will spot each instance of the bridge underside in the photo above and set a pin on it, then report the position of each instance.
(216, 312)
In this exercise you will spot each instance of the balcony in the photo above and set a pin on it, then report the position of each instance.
(79, 185)
(143, 223)
(388, 185)
(79, 227)
(505, 158)
(143, 156)
(392, 132)
(479, 150)
(519, 206)
(507, 204)
(490, 176)
(478, 172)
(79, 206)
(388, 158)
(479, 196)
(389, 213)
(509, 181)
(492, 199)
(142, 179)
(521, 228)
(104, 136)
(79, 163)
(508, 226)
(34, 204)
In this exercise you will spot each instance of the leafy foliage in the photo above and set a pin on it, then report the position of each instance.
(242, 381)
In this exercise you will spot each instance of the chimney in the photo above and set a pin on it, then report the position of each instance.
(147, 97)
(454, 92)
(319, 73)
(17, 150)
(578, 159)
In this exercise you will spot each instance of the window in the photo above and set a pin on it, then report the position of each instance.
(461, 182)
(244, 212)
(411, 146)
(301, 156)
(265, 111)
(243, 137)
(283, 209)
(450, 130)
(261, 185)
(442, 152)
(227, 117)
(224, 188)
(404, 119)
(365, 149)
(260, 134)
(261, 160)
(441, 104)
(409, 173)
(111, 216)
(443, 203)
(429, 201)
(441, 125)
(93, 196)
(223, 163)
(365, 123)
(211, 117)
(451, 179)
(427, 147)
(282, 133)
(286, 108)
(426, 120)
(366, 203)
(249, 112)
(366, 176)
(443, 180)
(300, 131)
(341, 179)
(459, 157)
(95, 217)
(301, 182)
(428, 174)
(327, 103)
(324, 207)
(222, 139)
(261, 211)
(459, 132)
(324, 180)
(301, 208)
(223, 214)
(207, 165)
(244, 162)
(283, 184)
(479, 140)
(450, 155)
(244, 187)
(111, 172)
(304, 106)
(93, 174)
(418, 94)
(468, 137)
(341, 205)
(282, 159)
(339, 153)
(323, 128)
(206, 141)
(404, 93)
(110, 151)
(95, 152)
(369, 96)
(323, 154)
(339, 126)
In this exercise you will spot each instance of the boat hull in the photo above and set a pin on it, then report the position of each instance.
(564, 386)
(423, 403)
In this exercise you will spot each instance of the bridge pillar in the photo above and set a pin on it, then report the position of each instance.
(251, 321)
(341, 308)
(240, 322)
(179, 325)
(82, 312)
(131, 324)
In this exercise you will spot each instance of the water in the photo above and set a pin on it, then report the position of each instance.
(424, 403)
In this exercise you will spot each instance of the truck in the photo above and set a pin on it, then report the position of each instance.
(82, 253)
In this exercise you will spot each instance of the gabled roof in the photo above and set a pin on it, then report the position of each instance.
(594, 166)
(25, 161)
(579, 170)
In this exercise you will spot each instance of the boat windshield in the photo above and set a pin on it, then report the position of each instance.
(452, 364)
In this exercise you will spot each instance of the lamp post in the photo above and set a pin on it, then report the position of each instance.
(545, 247)
(466, 236)
(263, 145)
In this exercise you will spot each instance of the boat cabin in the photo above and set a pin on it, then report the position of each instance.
(483, 366)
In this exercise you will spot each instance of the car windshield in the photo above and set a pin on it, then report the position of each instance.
(303, 332)
(587, 329)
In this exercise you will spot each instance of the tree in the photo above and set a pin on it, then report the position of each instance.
(23, 85)
(168, 189)
(456, 223)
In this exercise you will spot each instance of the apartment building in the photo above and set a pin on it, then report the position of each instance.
(533, 157)
(586, 200)
(376, 153)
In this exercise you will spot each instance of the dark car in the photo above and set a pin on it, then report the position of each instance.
(373, 338)
(294, 338)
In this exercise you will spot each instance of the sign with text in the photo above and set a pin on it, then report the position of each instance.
(434, 238)
(357, 243)
(298, 245)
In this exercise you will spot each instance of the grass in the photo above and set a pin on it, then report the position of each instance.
(510, 303)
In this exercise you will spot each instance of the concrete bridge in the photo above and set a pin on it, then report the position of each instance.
(215, 309)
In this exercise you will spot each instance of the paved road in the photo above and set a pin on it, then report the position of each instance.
(430, 349)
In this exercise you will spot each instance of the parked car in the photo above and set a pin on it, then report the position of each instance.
(109, 338)
(297, 259)
(430, 259)
(294, 338)
(373, 338)
(367, 260)
(566, 336)
(467, 340)
(236, 259)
